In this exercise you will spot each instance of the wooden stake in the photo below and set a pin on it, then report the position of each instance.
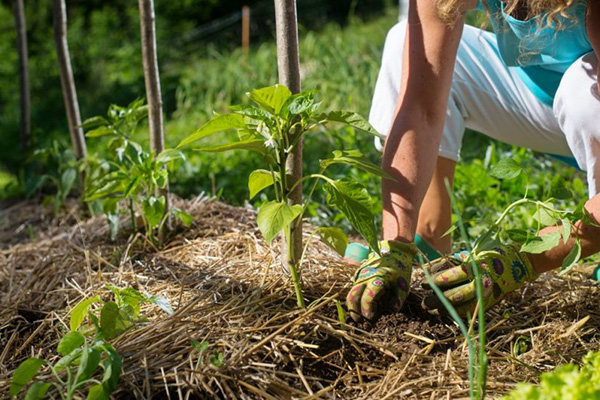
(21, 27)
(151, 76)
(153, 93)
(288, 62)
(245, 30)
(59, 11)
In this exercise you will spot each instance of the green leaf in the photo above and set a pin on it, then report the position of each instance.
(334, 238)
(341, 312)
(544, 216)
(256, 145)
(79, 312)
(94, 122)
(573, 256)
(70, 342)
(169, 155)
(540, 244)
(67, 179)
(356, 159)
(66, 361)
(162, 303)
(298, 104)
(109, 317)
(200, 346)
(566, 230)
(270, 98)
(518, 235)
(37, 391)
(219, 123)
(101, 131)
(352, 119)
(259, 180)
(507, 168)
(153, 209)
(274, 216)
(217, 360)
(354, 201)
(24, 373)
(112, 368)
(131, 186)
(90, 360)
(186, 218)
(96, 392)
(559, 190)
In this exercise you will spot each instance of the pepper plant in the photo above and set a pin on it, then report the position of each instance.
(86, 350)
(272, 127)
(132, 176)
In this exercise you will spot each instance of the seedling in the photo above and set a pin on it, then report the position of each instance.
(272, 127)
(132, 176)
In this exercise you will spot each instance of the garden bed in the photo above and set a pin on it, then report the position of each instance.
(226, 287)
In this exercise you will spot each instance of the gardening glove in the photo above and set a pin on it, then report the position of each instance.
(503, 269)
(382, 280)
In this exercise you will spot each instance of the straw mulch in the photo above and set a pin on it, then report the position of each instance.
(227, 288)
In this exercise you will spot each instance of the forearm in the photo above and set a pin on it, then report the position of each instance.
(593, 32)
(412, 145)
(588, 234)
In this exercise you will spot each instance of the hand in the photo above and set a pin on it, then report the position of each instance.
(382, 281)
(503, 269)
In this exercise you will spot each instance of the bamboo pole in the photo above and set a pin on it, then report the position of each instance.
(288, 62)
(59, 11)
(21, 27)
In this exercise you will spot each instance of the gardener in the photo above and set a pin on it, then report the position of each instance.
(533, 83)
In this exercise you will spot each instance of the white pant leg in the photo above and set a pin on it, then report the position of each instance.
(577, 109)
(485, 95)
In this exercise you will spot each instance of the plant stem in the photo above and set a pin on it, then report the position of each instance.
(132, 213)
(294, 270)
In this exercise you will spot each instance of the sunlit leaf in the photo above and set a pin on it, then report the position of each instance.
(507, 168)
(169, 155)
(101, 131)
(540, 244)
(352, 119)
(270, 98)
(334, 238)
(274, 216)
(24, 373)
(219, 123)
(356, 159)
(256, 145)
(259, 180)
(80, 311)
(70, 342)
(354, 201)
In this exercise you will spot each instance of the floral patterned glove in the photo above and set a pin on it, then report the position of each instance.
(504, 269)
(382, 280)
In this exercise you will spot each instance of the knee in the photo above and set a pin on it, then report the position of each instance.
(577, 103)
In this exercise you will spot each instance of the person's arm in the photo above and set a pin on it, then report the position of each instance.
(593, 32)
(411, 148)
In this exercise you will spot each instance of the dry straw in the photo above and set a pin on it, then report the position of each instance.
(227, 288)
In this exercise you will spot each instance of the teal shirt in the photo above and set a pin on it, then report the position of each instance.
(540, 53)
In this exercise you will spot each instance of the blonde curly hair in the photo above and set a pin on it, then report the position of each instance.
(450, 10)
